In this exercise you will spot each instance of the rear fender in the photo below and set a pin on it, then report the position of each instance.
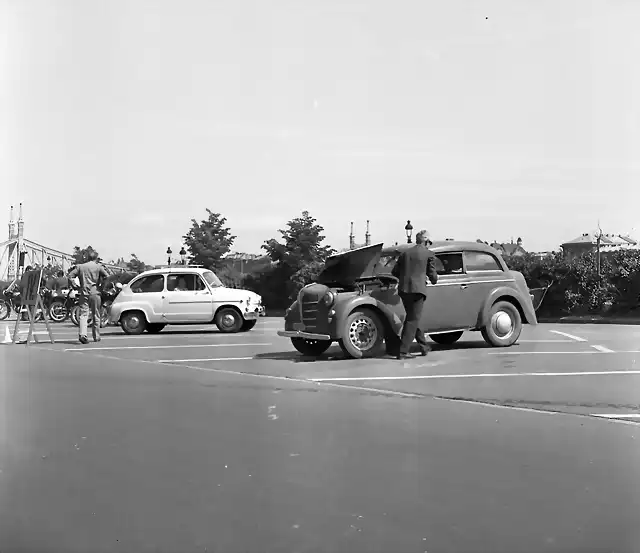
(509, 294)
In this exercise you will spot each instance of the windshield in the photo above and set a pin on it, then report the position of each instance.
(212, 279)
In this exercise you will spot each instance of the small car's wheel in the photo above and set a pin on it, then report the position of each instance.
(133, 322)
(229, 319)
(504, 325)
(363, 335)
(248, 325)
(154, 328)
(311, 347)
(446, 338)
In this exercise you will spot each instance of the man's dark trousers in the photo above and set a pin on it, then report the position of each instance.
(413, 305)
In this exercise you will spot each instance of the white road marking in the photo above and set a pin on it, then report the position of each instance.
(476, 375)
(540, 352)
(167, 347)
(603, 349)
(544, 341)
(349, 387)
(207, 359)
(616, 416)
(576, 338)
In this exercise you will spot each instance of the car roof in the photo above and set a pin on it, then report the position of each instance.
(181, 269)
(445, 246)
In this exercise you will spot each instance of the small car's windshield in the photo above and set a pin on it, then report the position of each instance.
(212, 279)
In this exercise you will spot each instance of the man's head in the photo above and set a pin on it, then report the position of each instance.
(423, 237)
(93, 256)
(60, 274)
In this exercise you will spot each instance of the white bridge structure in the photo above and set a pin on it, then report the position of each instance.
(18, 252)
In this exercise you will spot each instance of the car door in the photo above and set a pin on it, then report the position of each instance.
(148, 291)
(447, 306)
(187, 299)
(485, 274)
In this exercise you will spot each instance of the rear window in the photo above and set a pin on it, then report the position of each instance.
(148, 284)
(481, 261)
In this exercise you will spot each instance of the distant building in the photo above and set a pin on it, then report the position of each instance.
(509, 249)
(352, 239)
(587, 242)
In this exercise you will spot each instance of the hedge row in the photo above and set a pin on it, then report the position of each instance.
(575, 286)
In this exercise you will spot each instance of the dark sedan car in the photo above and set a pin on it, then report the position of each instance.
(355, 301)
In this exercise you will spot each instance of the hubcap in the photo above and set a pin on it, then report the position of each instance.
(133, 321)
(363, 333)
(502, 324)
(228, 320)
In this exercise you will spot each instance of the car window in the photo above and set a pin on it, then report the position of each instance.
(200, 285)
(481, 261)
(449, 264)
(148, 284)
(385, 264)
(181, 282)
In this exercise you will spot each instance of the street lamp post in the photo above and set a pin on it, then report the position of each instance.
(183, 256)
(169, 252)
(409, 230)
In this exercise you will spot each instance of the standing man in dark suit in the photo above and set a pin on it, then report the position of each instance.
(412, 269)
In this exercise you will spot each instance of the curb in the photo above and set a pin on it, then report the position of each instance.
(601, 321)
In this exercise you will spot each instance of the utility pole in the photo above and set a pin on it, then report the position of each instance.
(598, 239)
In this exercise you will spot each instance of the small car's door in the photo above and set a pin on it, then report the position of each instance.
(149, 290)
(188, 299)
(485, 274)
(447, 306)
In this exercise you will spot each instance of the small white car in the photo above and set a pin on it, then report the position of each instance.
(183, 295)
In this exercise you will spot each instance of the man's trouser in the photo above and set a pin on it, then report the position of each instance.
(91, 303)
(413, 305)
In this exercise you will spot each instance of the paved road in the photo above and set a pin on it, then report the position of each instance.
(197, 441)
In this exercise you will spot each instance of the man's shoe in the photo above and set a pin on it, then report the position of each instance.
(424, 350)
(404, 356)
(83, 340)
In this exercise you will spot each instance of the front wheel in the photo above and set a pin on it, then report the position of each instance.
(310, 347)
(446, 338)
(133, 322)
(504, 326)
(228, 320)
(58, 311)
(363, 335)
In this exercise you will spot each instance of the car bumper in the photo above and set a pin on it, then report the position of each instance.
(304, 335)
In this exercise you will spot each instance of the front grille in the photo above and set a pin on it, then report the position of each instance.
(309, 310)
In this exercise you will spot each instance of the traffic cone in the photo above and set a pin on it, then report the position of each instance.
(7, 336)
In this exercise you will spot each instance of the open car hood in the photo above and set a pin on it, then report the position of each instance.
(346, 268)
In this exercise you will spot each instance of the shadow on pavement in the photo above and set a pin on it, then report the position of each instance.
(336, 354)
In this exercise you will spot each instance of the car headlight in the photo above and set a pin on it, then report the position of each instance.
(329, 298)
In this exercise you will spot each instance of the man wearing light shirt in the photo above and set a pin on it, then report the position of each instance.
(91, 276)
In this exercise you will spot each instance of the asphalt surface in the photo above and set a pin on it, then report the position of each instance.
(191, 440)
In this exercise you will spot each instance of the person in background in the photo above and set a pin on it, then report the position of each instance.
(412, 269)
(61, 282)
(91, 276)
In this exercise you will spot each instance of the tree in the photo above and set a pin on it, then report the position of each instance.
(301, 249)
(134, 265)
(302, 244)
(209, 241)
(81, 255)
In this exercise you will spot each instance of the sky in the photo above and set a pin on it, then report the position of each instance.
(123, 120)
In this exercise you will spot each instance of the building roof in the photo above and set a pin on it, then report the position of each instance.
(588, 238)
